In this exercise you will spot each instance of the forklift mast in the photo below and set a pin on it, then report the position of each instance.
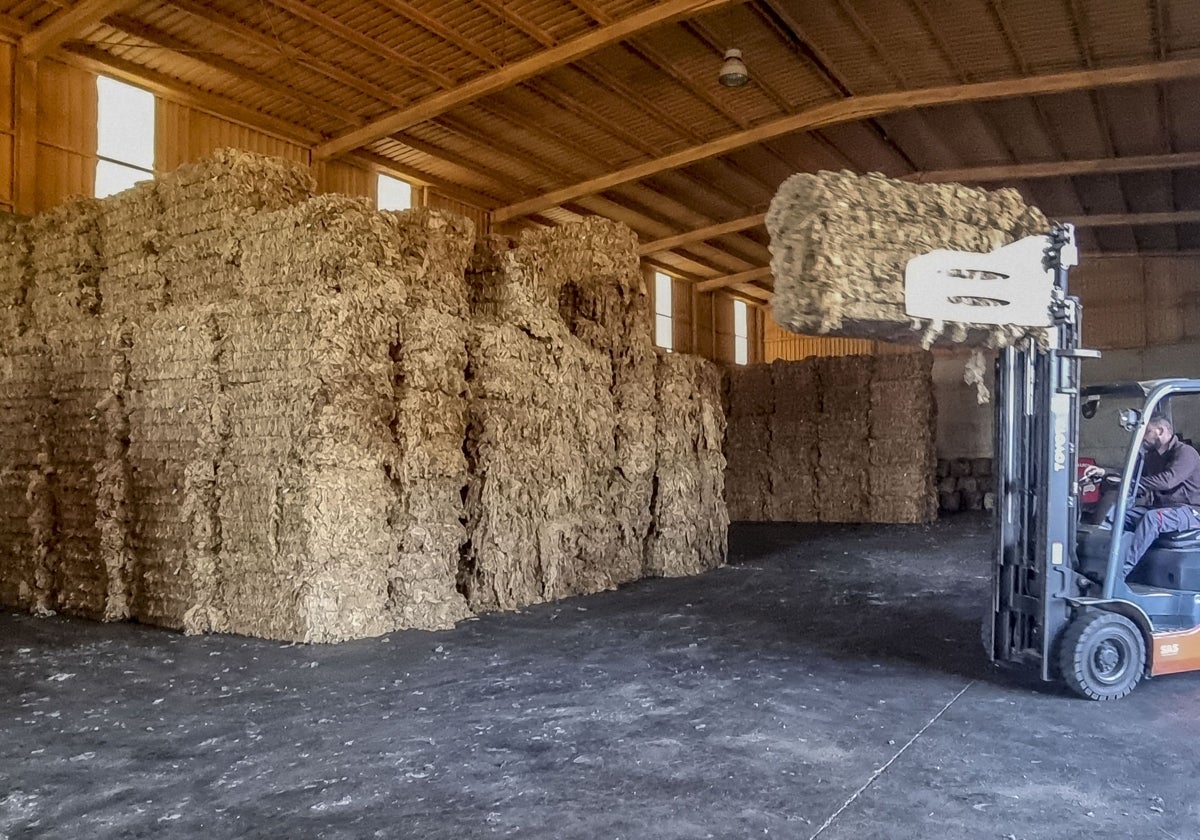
(1036, 444)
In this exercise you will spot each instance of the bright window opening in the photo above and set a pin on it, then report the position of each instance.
(124, 136)
(393, 194)
(741, 332)
(664, 331)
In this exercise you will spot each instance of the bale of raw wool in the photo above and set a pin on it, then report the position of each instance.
(690, 519)
(26, 507)
(83, 357)
(64, 263)
(430, 425)
(793, 454)
(133, 280)
(204, 207)
(175, 419)
(383, 301)
(840, 242)
(541, 441)
(14, 276)
(843, 451)
(903, 418)
(751, 404)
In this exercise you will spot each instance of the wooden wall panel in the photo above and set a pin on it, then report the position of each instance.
(681, 315)
(184, 135)
(66, 134)
(8, 96)
(1134, 302)
(334, 176)
(778, 343)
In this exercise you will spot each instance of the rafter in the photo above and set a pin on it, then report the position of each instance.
(751, 276)
(514, 73)
(68, 25)
(1060, 168)
(855, 108)
(703, 234)
(1174, 217)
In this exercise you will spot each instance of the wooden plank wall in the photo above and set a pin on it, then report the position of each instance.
(1133, 302)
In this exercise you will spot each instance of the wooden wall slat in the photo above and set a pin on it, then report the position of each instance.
(334, 176)
(185, 135)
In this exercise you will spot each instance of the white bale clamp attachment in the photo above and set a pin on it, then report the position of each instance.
(1010, 286)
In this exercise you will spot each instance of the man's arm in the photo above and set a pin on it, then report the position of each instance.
(1185, 463)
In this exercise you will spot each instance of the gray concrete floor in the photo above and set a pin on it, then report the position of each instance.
(828, 683)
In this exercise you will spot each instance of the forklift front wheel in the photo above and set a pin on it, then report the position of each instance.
(1103, 655)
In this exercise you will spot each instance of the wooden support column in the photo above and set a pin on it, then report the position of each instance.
(25, 148)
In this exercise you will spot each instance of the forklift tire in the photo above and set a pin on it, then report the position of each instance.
(1103, 655)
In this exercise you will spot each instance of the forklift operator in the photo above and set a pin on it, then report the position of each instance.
(1171, 485)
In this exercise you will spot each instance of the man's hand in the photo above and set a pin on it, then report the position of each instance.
(1093, 472)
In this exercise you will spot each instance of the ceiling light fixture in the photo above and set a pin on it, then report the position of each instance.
(733, 70)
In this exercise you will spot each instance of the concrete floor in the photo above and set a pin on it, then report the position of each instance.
(828, 683)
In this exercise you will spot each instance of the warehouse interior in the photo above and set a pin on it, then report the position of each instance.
(405, 429)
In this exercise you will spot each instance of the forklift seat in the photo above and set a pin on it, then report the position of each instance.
(1180, 539)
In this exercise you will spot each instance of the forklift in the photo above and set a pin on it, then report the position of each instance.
(1059, 601)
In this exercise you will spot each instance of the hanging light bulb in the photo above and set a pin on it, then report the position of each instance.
(733, 70)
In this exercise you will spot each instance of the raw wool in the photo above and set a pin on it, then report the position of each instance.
(843, 452)
(690, 520)
(750, 400)
(792, 454)
(430, 419)
(205, 206)
(903, 418)
(840, 242)
(541, 436)
(850, 439)
(15, 278)
(64, 263)
(82, 357)
(26, 505)
(133, 281)
(174, 442)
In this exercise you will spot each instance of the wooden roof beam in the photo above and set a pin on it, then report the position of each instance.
(68, 25)
(515, 73)
(855, 108)
(753, 275)
(1175, 217)
(669, 243)
(1060, 168)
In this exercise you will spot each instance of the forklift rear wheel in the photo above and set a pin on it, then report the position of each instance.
(1103, 655)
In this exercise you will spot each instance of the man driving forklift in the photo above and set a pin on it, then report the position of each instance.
(1170, 483)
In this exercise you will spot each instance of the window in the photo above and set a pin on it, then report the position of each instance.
(664, 333)
(741, 332)
(124, 136)
(392, 193)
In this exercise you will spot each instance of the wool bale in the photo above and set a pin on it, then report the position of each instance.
(840, 242)
(65, 263)
(690, 524)
(15, 278)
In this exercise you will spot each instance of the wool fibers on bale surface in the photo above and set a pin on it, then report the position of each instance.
(793, 454)
(903, 454)
(840, 242)
(843, 452)
(15, 279)
(26, 508)
(133, 279)
(690, 520)
(65, 263)
(750, 404)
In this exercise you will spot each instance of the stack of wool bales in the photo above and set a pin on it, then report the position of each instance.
(965, 484)
(843, 430)
(750, 401)
(903, 453)
(849, 439)
(793, 454)
(840, 242)
(26, 519)
(541, 437)
(691, 522)
(65, 302)
(430, 418)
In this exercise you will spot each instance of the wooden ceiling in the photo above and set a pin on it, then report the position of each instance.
(547, 110)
